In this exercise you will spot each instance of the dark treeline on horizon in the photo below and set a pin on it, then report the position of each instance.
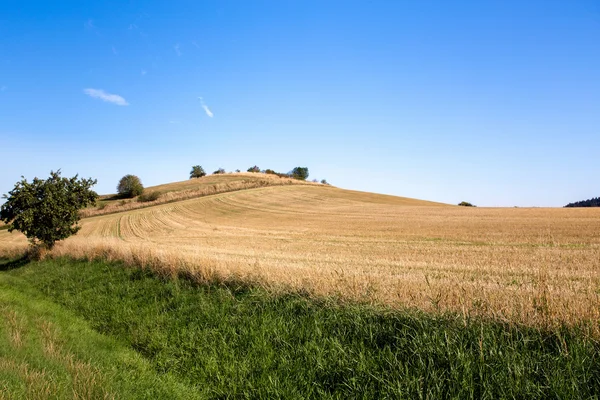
(595, 202)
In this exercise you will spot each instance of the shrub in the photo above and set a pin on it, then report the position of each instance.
(300, 173)
(324, 182)
(47, 211)
(254, 169)
(237, 170)
(130, 186)
(219, 171)
(197, 172)
(466, 204)
(146, 197)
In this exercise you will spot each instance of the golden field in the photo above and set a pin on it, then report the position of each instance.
(538, 266)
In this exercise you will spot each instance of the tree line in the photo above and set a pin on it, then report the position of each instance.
(594, 202)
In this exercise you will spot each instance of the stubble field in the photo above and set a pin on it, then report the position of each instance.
(539, 267)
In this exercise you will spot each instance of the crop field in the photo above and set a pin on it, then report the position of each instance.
(537, 266)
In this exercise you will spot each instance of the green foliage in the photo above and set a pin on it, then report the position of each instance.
(236, 341)
(466, 204)
(300, 173)
(47, 211)
(150, 196)
(219, 171)
(237, 170)
(197, 172)
(324, 182)
(254, 169)
(130, 186)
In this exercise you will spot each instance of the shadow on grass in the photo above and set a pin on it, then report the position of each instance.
(14, 263)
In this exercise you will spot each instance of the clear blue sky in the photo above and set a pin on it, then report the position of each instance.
(492, 102)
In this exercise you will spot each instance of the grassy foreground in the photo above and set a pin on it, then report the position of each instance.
(228, 341)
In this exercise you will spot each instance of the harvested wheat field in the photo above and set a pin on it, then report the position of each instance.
(535, 266)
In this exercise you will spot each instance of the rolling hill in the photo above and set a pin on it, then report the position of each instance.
(290, 235)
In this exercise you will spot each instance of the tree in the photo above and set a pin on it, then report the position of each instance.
(130, 186)
(254, 169)
(324, 182)
(466, 204)
(300, 173)
(219, 171)
(47, 211)
(197, 172)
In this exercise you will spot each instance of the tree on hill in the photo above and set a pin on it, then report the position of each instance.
(197, 172)
(594, 202)
(466, 204)
(47, 211)
(254, 169)
(130, 186)
(219, 171)
(300, 173)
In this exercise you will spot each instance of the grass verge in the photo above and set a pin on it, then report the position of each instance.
(239, 341)
(46, 352)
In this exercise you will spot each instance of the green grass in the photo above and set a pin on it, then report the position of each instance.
(48, 352)
(242, 342)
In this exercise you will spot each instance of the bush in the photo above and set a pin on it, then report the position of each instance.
(254, 169)
(466, 204)
(146, 197)
(219, 171)
(130, 186)
(47, 211)
(197, 172)
(324, 182)
(300, 173)
(237, 170)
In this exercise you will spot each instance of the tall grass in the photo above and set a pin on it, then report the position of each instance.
(235, 340)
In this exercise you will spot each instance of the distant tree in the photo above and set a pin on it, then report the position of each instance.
(237, 170)
(466, 204)
(270, 172)
(130, 186)
(219, 171)
(299, 173)
(254, 169)
(594, 202)
(324, 182)
(47, 211)
(197, 172)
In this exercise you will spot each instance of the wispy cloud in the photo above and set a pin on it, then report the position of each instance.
(174, 121)
(3, 88)
(114, 50)
(205, 107)
(195, 44)
(177, 49)
(89, 24)
(108, 97)
(132, 26)
(144, 72)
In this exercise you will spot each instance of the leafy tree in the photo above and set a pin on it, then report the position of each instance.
(47, 211)
(466, 204)
(130, 186)
(300, 173)
(254, 169)
(324, 182)
(219, 171)
(197, 172)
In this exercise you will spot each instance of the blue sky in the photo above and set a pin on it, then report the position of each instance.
(492, 102)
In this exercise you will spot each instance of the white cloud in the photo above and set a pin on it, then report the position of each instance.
(89, 24)
(144, 72)
(132, 26)
(195, 44)
(108, 97)
(205, 107)
(177, 50)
